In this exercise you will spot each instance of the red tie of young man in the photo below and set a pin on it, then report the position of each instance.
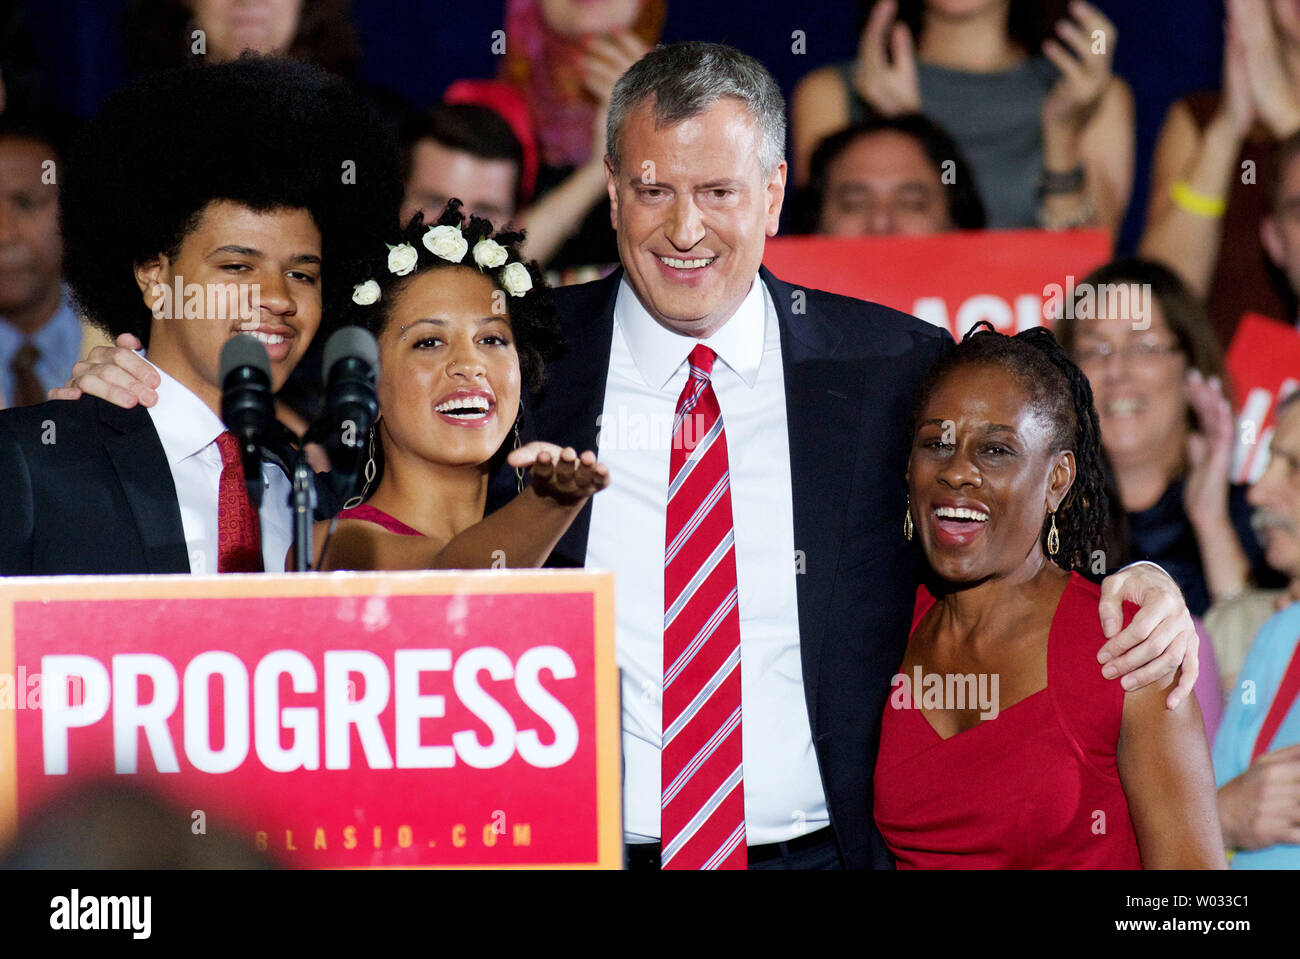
(702, 814)
(239, 535)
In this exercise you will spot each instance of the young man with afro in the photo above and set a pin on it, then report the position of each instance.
(200, 204)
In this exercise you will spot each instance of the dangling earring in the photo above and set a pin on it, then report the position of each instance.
(519, 473)
(368, 471)
(907, 519)
(1053, 537)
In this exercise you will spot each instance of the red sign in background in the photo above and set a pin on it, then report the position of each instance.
(506, 769)
(952, 280)
(1264, 366)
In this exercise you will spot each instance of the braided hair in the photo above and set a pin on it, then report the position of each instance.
(1059, 390)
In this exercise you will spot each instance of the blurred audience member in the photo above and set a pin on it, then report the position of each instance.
(563, 57)
(1280, 229)
(1156, 372)
(465, 151)
(40, 334)
(1214, 165)
(1046, 125)
(19, 79)
(1275, 496)
(1257, 752)
(885, 176)
(161, 33)
(111, 825)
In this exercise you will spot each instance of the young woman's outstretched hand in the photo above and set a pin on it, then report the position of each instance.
(560, 474)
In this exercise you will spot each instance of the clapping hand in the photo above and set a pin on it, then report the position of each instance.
(1085, 67)
(1237, 105)
(892, 88)
(1261, 807)
(1209, 450)
(606, 58)
(1250, 22)
(561, 474)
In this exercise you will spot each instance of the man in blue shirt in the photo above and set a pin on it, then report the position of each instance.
(40, 334)
(1257, 750)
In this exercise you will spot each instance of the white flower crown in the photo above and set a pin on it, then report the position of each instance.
(449, 243)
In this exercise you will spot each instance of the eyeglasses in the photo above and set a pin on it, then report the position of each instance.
(1141, 350)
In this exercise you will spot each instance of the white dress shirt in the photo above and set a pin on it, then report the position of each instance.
(647, 371)
(188, 430)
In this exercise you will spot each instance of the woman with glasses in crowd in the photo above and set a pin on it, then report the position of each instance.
(1166, 424)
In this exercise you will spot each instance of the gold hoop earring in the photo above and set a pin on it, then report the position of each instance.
(1053, 537)
(907, 519)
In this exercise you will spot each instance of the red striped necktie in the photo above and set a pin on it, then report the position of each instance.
(239, 533)
(703, 803)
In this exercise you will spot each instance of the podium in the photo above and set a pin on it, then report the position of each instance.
(416, 719)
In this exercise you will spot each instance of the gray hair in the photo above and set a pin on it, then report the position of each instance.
(687, 78)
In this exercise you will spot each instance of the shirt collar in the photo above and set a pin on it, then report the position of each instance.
(659, 352)
(184, 422)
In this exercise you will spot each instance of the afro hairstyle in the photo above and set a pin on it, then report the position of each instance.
(265, 132)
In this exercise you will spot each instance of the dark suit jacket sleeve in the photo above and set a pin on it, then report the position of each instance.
(17, 515)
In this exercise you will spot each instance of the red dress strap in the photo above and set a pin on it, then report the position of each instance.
(1286, 694)
(370, 514)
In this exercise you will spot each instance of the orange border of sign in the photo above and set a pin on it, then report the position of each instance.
(420, 583)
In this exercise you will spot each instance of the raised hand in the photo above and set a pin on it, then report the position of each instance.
(561, 474)
(1209, 450)
(1085, 74)
(113, 373)
(1271, 85)
(892, 88)
(1237, 105)
(607, 57)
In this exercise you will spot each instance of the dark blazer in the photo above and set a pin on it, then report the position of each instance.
(852, 369)
(87, 490)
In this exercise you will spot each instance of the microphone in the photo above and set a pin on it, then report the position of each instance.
(351, 362)
(247, 407)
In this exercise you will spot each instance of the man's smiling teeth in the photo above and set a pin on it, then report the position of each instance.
(950, 512)
(677, 264)
(460, 407)
(270, 339)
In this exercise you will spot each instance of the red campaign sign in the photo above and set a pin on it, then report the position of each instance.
(952, 280)
(1264, 366)
(423, 719)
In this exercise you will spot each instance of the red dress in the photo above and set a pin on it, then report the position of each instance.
(1036, 787)
(377, 516)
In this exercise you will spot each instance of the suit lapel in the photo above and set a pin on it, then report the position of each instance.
(822, 399)
(137, 455)
(572, 402)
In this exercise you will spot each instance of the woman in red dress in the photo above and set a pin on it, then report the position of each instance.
(1002, 746)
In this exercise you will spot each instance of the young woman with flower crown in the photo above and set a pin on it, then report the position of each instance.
(463, 324)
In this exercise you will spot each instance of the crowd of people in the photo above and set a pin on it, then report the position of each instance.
(1055, 510)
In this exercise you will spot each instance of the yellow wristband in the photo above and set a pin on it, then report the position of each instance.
(1195, 202)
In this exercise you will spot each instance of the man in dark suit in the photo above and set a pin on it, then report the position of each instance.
(824, 577)
(218, 240)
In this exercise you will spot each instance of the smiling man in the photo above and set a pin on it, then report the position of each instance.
(244, 179)
(764, 588)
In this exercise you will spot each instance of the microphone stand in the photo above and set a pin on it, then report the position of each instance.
(302, 501)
